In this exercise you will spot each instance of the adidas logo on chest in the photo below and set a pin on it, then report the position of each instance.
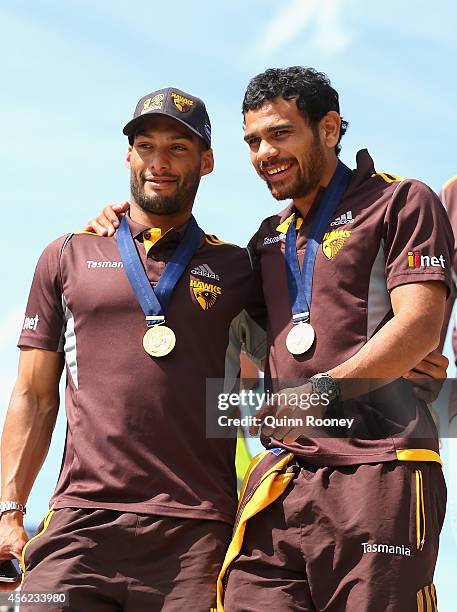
(343, 219)
(204, 270)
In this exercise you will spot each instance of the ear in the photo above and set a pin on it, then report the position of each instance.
(207, 162)
(330, 126)
(128, 156)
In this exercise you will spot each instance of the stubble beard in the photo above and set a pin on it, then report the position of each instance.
(163, 204)
(302, 185)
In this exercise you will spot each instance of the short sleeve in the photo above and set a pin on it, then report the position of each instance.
(43, 325)
(418, 239)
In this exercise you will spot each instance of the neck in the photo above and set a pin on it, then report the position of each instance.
(304, 204)
(163, 222)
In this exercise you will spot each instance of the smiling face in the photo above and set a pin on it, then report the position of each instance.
(166, 163)
(291, 156)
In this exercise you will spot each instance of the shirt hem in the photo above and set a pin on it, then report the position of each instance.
(39, 343)
(333, 460)
(415, 454)
(395, 280)
(144, 508)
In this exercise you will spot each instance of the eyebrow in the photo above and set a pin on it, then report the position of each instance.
(274, 128)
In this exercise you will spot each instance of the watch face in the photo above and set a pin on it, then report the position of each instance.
(326, 385)
(327, 388)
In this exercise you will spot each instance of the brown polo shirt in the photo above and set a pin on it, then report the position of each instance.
(386, 232)
(136, 437)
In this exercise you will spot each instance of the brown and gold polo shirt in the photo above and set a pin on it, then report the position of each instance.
(136, 438)
(386, 232)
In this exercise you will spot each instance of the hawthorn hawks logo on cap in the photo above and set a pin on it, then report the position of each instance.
(182, 104)
(334, 241)
(206, 294)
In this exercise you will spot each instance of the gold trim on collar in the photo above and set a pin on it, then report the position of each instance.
(284, 226)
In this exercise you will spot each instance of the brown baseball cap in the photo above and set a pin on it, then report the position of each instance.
(185, 108)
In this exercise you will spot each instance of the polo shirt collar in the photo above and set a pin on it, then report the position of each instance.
(138, 229)
(168, 241)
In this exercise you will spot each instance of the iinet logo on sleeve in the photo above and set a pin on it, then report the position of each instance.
(31, 323)
(416, 260)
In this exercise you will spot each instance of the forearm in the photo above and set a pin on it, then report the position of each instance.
(397, 348)
(394, 350)
(27, 432)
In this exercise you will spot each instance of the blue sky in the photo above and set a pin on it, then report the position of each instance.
(73, 71)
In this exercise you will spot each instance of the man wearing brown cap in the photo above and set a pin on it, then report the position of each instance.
(142, 511)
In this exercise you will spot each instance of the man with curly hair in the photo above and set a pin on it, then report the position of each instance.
(340, 513)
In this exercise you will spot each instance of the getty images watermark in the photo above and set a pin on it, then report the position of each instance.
(249, 408)
(371, 409)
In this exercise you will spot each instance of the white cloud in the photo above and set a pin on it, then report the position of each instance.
(287, 24)
(10, 326)
(322, 18)
(330, 34)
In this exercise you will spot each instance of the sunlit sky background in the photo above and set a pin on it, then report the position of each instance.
(73, 71)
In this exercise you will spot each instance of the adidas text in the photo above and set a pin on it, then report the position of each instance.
(204, 270)
(343, 219)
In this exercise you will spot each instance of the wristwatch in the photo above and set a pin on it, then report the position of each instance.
(6, 506)
(323, 384)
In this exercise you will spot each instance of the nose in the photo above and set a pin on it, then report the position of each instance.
(266, 151)
(160, 160)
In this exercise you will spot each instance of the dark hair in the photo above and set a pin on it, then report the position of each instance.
(312, 91)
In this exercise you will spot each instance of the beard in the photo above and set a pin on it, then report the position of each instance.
(186, 190)
(304, 182)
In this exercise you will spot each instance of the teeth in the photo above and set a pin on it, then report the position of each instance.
(278, 169)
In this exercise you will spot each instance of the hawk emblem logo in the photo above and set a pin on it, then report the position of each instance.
(182, 104)
(333, 242)
(206, 294)
(205, 298)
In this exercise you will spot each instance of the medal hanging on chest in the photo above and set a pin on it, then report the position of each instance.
(159, 339)
(301, 336)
